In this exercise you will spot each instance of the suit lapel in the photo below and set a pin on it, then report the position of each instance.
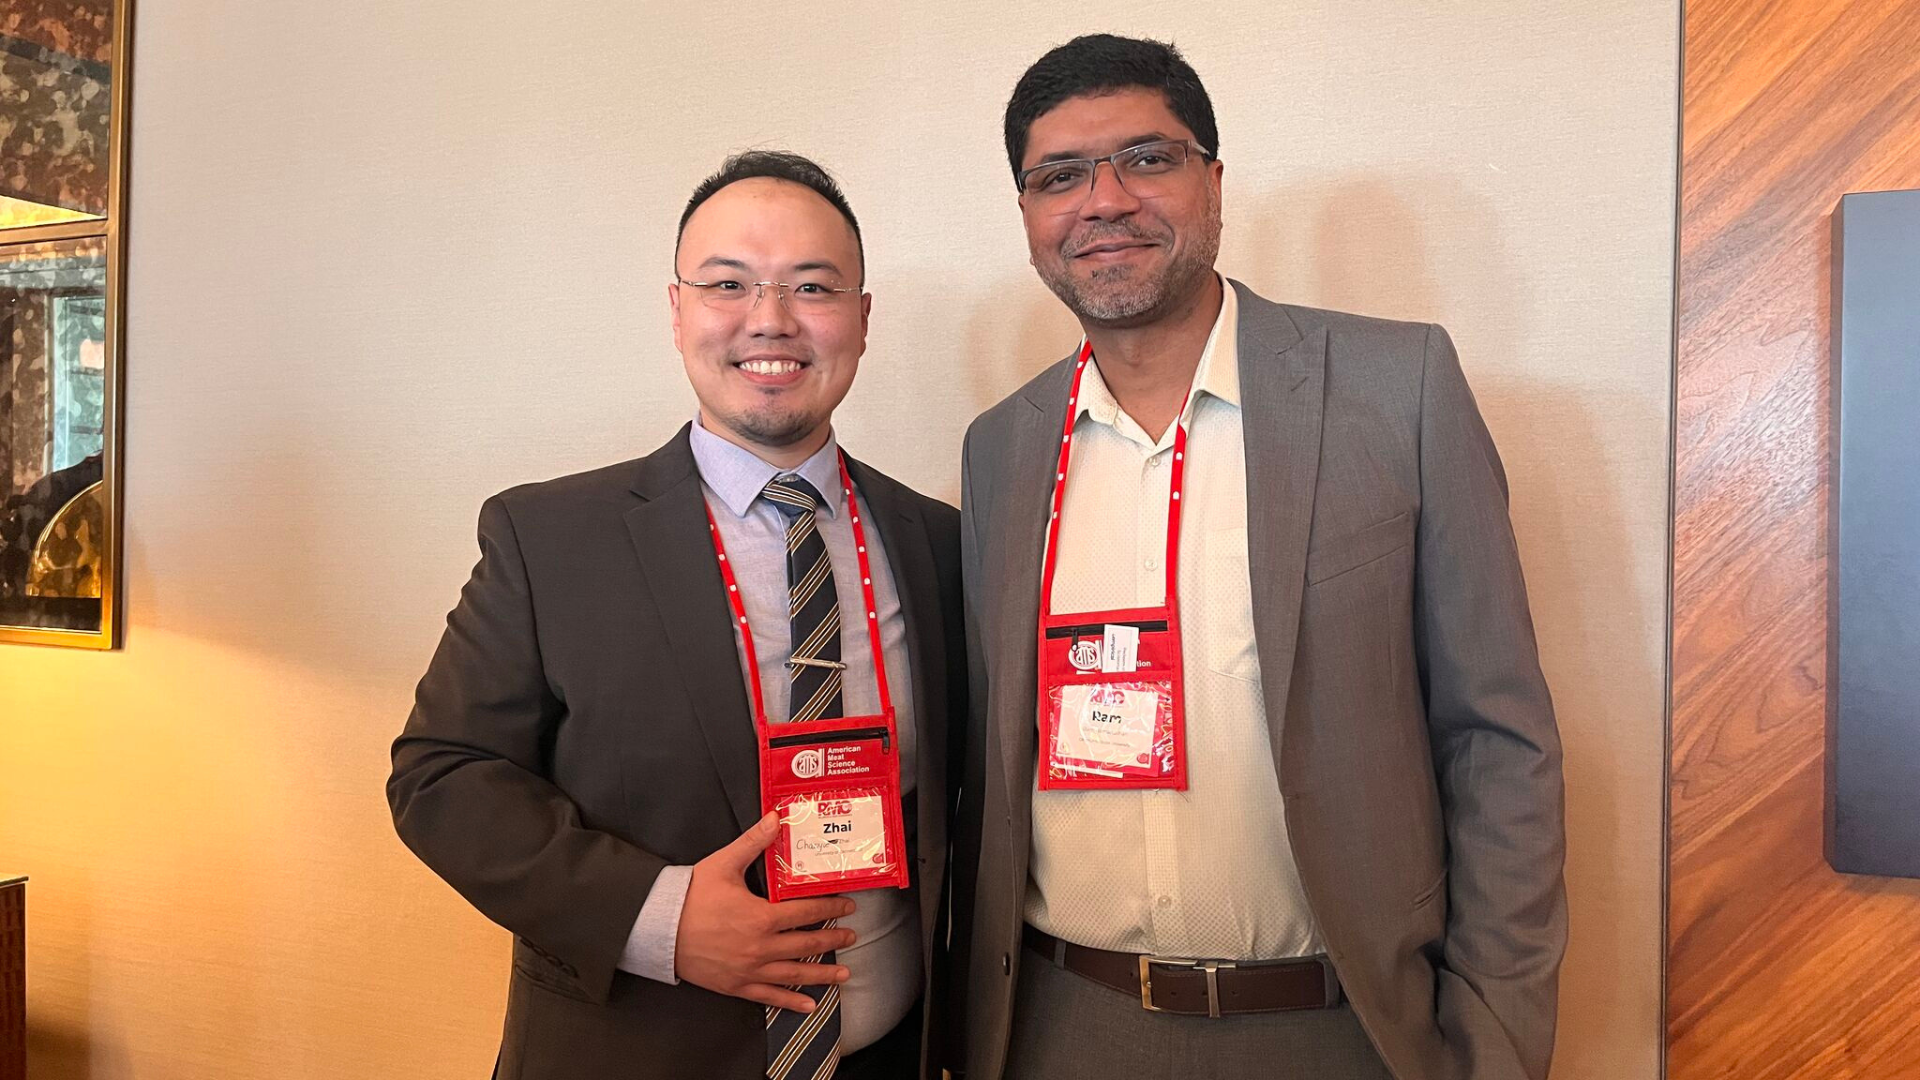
(903, 535)
(910, 557)
(669, 533)
(1032, 458)
(1282, 388)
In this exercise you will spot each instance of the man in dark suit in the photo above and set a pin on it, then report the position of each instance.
(582, 760)
(1360, 875)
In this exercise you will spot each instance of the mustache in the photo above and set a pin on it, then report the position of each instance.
(1107, 234)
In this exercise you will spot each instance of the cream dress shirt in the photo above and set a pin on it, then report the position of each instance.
(1203, 873)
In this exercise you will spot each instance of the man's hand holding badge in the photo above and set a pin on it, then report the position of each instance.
(733, 942)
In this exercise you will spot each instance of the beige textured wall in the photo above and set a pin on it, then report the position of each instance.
(387, 259)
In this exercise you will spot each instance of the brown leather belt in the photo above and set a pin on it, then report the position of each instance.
(1198, 987)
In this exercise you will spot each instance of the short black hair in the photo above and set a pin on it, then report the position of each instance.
(777, 165)
(1103, 63)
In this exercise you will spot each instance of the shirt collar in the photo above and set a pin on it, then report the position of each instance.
(738, 476)
(1218, 374)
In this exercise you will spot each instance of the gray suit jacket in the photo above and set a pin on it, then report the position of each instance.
(1413, 734)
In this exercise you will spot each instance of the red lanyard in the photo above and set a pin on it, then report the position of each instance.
(866, 591)
(1177, 482)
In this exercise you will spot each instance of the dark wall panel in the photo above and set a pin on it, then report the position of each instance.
(1873, 644)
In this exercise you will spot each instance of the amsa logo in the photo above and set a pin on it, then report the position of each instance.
(808, 764)
(1085, 655)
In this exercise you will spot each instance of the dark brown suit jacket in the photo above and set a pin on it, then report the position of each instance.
(585, 724)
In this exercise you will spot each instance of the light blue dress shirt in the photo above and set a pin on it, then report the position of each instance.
(884, 962)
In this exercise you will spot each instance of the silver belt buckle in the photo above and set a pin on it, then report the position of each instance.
(1211, 967)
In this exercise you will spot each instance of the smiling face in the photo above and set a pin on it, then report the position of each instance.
(1117, 260)
(769, 374)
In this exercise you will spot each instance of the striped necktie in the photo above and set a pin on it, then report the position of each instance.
(813, 606)
(807, 1047)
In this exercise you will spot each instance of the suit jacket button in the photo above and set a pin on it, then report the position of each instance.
(1006, 964)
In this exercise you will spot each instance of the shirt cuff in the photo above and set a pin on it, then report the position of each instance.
(649, 952)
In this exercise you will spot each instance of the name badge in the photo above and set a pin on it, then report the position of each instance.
(1108, 725)
(830, 835)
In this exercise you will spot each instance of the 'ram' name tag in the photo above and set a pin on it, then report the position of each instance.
(1108, 724)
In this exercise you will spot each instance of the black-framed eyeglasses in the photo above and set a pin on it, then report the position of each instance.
(1146, 171)
(731, 295)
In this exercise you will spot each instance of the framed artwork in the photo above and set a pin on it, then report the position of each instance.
(63, 124)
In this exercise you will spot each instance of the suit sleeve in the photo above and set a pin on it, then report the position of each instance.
(1495, 744)
(470, 794)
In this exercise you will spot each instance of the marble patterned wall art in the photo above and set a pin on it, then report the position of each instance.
(53, 420)
(56, 78)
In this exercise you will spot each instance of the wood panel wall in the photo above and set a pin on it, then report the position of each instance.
(1777, 966)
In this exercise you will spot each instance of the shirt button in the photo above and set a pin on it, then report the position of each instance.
(1153, 462)
(1166, 901)
(1153, 563)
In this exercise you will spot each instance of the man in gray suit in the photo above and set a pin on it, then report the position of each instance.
(1356, 870)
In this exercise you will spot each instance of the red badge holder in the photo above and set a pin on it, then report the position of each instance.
(835, 783)
(836, 786)
(1112, 695)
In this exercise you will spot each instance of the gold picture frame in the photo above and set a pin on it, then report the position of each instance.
(96, 546)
